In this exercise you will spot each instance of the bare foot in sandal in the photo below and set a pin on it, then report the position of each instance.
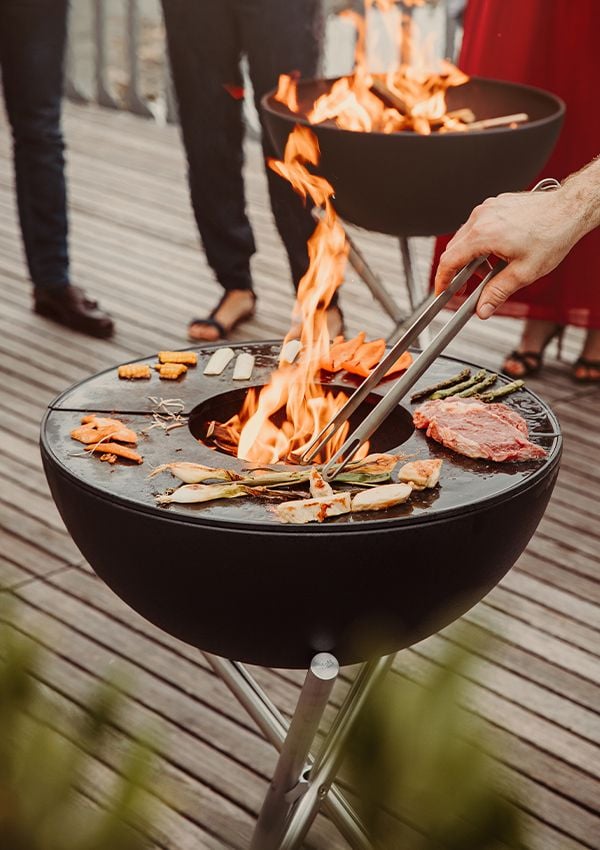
(586, 368)
(235, 306)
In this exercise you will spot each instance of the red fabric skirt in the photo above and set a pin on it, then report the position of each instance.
(552, 45)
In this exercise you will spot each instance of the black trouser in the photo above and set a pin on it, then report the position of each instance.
(206, 40)
(32, 46)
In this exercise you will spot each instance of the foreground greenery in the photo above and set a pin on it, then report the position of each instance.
(43, 774)
(419, 764)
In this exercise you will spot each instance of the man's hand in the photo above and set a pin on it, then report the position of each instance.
(532, 232)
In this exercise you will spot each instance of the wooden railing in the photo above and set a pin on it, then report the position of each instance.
(99, 18)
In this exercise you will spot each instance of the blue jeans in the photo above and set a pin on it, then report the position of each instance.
(32, 46)
(206, 40)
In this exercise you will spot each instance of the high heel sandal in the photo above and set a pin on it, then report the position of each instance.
(590, 366)
(531, 361)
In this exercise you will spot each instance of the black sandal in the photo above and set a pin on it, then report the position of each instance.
(531, 361)
(211, 322)
(590, 365)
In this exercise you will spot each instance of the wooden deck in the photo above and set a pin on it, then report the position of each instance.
(134, 246)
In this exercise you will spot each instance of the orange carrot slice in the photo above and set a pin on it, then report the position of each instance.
(402, 363)
(341, 351)
(116, 449)
(368, 355)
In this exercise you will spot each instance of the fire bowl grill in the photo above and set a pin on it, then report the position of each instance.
(229, 578)
(406, 184)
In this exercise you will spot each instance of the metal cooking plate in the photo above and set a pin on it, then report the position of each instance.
(464, 483)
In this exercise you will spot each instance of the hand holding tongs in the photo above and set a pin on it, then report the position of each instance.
(397, 392)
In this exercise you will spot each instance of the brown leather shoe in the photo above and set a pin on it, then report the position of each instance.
(70, 306)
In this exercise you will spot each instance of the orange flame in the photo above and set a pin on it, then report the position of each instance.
(410, 97)
(278, 422)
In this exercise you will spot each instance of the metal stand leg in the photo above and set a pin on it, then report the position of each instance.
(373, 282)
(289, 782)
(275, 728)
(416, 299)
(331, 755)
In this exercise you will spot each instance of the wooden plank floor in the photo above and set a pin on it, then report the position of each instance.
(134, 246)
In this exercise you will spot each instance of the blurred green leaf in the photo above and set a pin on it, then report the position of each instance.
(421, 767)
(41, 770)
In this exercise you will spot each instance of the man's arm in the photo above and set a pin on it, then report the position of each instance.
(533, 232)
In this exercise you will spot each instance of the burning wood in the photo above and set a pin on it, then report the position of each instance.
(409, 97)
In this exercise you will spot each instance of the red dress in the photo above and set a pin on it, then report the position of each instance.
(552, 44)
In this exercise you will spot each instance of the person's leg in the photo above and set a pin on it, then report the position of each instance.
(282, 38)
(32, 47)
(586, 368)
(204, 50)
(32, 42)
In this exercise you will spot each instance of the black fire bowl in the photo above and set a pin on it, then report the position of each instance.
(406, 184)
(229, 578)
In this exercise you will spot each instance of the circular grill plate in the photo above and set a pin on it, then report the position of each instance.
(464, 484)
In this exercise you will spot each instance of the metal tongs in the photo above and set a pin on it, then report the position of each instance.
(419, 366)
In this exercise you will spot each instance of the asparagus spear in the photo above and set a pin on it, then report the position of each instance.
(457, 388)
(447, 382)
(492, 395)
(476, 388)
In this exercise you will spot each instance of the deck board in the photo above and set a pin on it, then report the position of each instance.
(134, 245)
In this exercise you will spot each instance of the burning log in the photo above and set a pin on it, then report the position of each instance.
(500, 121)
(389, 97)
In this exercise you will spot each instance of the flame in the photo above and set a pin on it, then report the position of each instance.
(411, 96)
(278, 422)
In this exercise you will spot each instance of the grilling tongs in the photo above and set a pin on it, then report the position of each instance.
(420, 365)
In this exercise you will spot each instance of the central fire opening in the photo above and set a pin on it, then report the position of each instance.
(396, 429)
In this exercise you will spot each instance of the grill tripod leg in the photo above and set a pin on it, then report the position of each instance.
(275, 728)
(288, 781)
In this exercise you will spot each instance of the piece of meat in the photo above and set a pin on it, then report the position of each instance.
(318, 485)
(380, 498)
(478, 430)
(314, 510)
(420, 474)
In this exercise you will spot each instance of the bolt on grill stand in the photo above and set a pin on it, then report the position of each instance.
(301, 783)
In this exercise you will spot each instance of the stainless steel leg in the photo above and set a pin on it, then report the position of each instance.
(288, 781)
(275, 727)
(329, 760)
(416, 297)
(373, 282)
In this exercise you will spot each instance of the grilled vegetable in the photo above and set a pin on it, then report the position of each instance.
(195, 473)
(342, 351)
(188, 358)
(420, 473)
(89, 434)
(219, 361)
(170, 371)
(134, 371)
(457, 388)
(191, 494)
(476, 388)
(314, 510)
(116, 449)
(290, 351)
(379, 498)
(492, 395)
(441, 385)
(242, 371)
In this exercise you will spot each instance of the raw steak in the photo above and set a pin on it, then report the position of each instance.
(475, 429)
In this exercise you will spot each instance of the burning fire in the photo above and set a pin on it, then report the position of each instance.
(411, 96)
(280, 420)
